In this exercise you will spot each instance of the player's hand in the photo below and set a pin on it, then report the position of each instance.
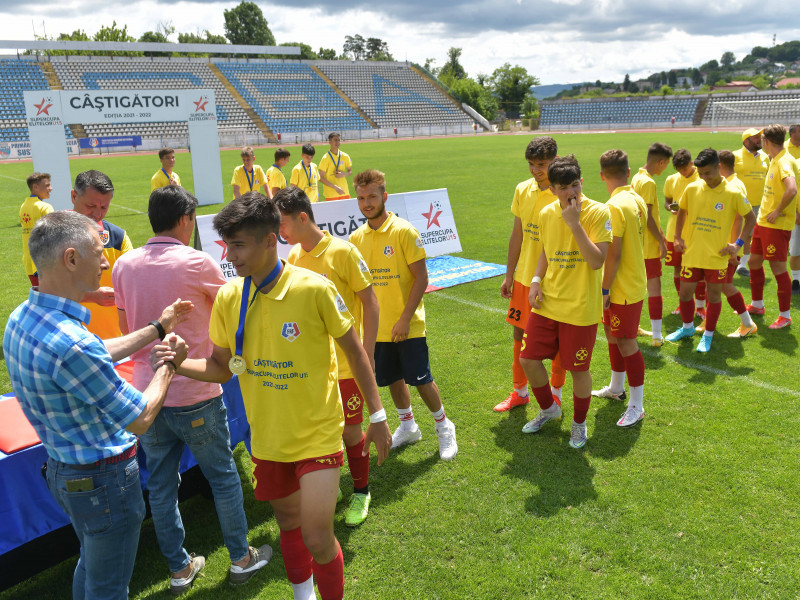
(664, 251)
(535, 297)
(173, 349)
(678, 244)
(178, 347)
(572, 213)
(378, 434)
(506, 287)
(175, 313)
(731, 249)
(606, 301)
(773, 216)
(400, 330)
(340, 190)
(173, 182)
(340, 174)
(104, 296)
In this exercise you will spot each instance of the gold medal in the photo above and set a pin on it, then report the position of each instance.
(237, 365)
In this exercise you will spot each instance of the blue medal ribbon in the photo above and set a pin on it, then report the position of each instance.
(245, 304)
(308, 173)
(338, 161)
(164, 171)
(250, 181)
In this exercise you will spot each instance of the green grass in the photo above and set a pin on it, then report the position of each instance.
(700, 501)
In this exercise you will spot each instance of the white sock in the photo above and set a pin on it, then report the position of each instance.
(688, 326)
(637, 397)
(747, 321)
(743, 260)
(786, 313)
(699, 303)
(406, 418)
(305, 590)
(439, 417)
(795, 275)
(556, 391)
(522, 392)
(617, 381)
(655, 325)
(708, 333)
(757, 303)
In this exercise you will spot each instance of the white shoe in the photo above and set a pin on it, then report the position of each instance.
(631, 416)
(402, 436)
(577, 438)
(606, 392)
(448, 448)
(551, 414)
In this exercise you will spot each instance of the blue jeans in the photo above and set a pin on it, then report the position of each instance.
(107, 516)
(204, 428)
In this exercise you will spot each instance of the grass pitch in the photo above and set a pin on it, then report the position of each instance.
(699, 501)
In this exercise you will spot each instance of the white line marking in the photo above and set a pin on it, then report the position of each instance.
(133, 210)
(14, 178)
(648, 352)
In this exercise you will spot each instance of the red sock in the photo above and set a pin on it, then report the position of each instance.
(655, 306)
(757, 279)
(543, 396)
(712, 315)
(687, 311)
(581, 408)
(330, 576)
(784, 281)
(557, 373)
(359, 465)
(617, 362)
(700, 290)
(517, 374)
(737, 302)
(634, 366)
(677, 282)
(296, 557)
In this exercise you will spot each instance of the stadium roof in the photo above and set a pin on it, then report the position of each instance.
(146, 47)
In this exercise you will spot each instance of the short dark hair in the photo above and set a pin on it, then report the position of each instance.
(281, 153)
(727, 159)
(775, 134)
(167, 205)
(36, 178)
(564, 170)
(93, 179)
(659, 151)
(707, 157)
(333, 134)
(541, 148)
(292, 201)
(164, 151)
(57, 231)
(308, 150)
(614, 163)
(251, 211)
(792, 129)
(681, 158)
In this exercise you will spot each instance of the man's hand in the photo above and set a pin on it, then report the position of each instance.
(380, 435)
(400, 330)
(678, 244)
(104, 296)
(773, 216)
(173, 182)
(175, 313)
(662, 243)
(606, 301)
(506, 287)
(338, 189)
(340, 174)
(173, 349)
(536, 296)
(572, 213)
(731, 249)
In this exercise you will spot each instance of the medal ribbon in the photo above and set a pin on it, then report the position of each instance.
(338, 160)
(164, 171)
(245, 304)
(308, 173)
(250, 181)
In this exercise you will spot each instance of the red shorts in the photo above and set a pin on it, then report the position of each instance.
(772, 244)
(695, 274)
(674, 257)
(519, 309)
(544, 338)
(352, 402)
(273, 480)
(652, 267)
(622, 320)
(733, 264)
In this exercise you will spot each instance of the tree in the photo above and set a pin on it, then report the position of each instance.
(197, 38)
(530, 106)
(510, 84)
(327, 54)
(728, 59)
(453, 67)
(478, 97)
(245, 25)
(710, 65)
(155, 37)
(626, 83)
(113, 34)
(377, 49)
(697, 77)
(306, 53)
(354, 47)
(672, 79)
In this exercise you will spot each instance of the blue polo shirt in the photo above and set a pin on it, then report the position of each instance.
(65, 381)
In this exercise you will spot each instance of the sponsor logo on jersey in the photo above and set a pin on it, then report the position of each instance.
(608, 225)
(719, 206)
(290, 331)
(340, 304)
(353, 403)
(363, 266)
(388, 251)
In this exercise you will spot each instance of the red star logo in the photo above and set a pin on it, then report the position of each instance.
(43, 108)
(200, 104)
(433, 218)
(224, 248)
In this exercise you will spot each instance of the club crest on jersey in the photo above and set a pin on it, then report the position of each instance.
(104, 236)
(388, 251)
(608, 225)
(719, 206)
(340, 304)
(290, 331)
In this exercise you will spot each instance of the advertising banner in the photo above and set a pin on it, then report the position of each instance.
(110, 142)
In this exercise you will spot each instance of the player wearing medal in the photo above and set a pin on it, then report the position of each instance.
(340, 262)
(249, 177)
(334, 169)
(274, 328)
(165, 175)
(706, 215)
(305, 174)
(33, 208)
(275, 179)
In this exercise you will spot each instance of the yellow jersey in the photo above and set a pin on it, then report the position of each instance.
(628, 222)
(33, 208)
(275, 178)
(290, 389)
(160, 179)
(571, 288)
(329, 165)
(248, 182)
(307, 179)
(388, 251)
(781, 167)
(736, 184)
(528, 202)
(673, 188)
(342, 263)
(792, 149)
(644, 185)
(710, 213)
(751, 169)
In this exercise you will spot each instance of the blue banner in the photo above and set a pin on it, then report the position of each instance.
(110, 142)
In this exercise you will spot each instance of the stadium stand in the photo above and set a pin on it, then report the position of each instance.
(290, 96)
(392, 94)
(619, 111)
(17, 76)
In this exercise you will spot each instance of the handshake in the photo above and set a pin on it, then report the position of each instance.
(172, 349)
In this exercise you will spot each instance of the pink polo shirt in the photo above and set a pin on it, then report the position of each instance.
(149, 278)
